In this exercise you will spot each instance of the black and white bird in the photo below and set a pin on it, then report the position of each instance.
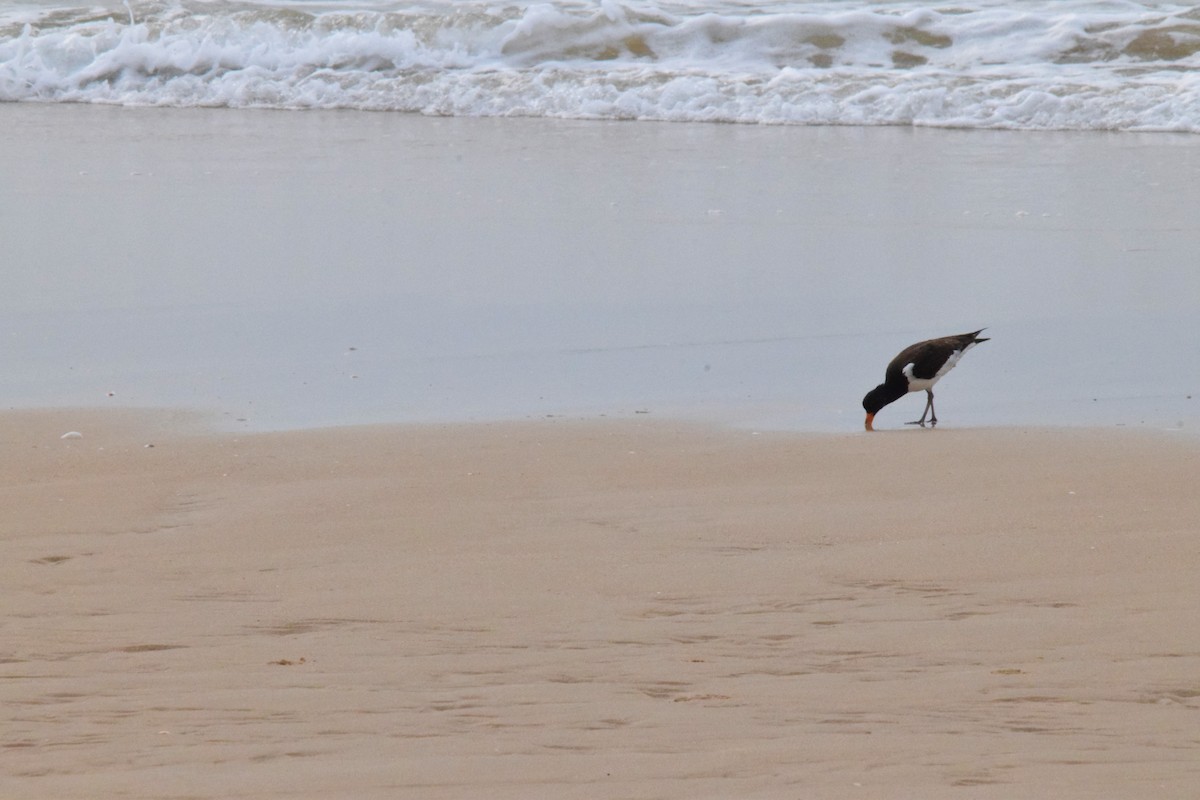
(919, 366)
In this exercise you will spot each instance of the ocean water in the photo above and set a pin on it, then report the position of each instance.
(504, 245)
(1053, 65)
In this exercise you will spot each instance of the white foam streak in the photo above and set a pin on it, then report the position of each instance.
(1074, 64)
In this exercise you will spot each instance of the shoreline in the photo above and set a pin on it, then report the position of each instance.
(602, 609)
(767, 421)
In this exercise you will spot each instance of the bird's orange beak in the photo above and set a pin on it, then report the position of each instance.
(869, 423)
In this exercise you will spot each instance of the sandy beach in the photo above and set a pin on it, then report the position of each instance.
(616, 609)
(517, 458)
(463, 401)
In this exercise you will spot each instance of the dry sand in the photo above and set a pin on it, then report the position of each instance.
(595, 610)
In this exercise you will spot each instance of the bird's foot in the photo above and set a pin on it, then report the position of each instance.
(920, 422)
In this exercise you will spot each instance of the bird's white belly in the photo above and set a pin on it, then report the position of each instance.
(921, 384)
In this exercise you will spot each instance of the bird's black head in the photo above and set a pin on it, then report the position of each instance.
(879, 397)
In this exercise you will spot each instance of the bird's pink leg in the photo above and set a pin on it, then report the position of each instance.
(928, 410)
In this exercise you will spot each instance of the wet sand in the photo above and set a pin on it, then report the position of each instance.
(296, 269)
(623, 609)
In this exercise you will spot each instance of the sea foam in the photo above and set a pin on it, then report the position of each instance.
(1069, 64)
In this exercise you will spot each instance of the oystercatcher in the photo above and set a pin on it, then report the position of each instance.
(918, 367)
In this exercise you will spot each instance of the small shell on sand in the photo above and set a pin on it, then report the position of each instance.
(72, 435)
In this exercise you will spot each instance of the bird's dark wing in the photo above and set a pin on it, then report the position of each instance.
(926, 357)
